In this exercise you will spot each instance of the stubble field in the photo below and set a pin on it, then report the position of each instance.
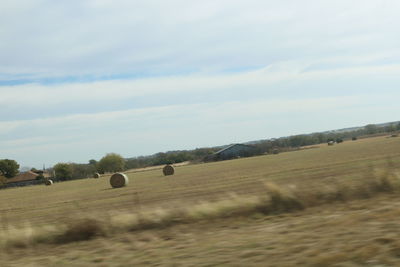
(339, 230)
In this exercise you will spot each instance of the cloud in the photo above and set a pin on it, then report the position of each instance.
(47, 38)
(147, 120)
(259, 82)
(98, 76)
(143, 131)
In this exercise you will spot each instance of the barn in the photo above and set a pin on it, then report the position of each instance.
(235, 151)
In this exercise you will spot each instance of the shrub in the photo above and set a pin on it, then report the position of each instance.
(111, 162)
(63, 171)
(81, 230)
(8, 168)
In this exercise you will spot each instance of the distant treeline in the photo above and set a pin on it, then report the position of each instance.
(170, 157)
(270, 146)
(295, 141)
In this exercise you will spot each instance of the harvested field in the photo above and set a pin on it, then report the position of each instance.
(197, 183)
(342, 166)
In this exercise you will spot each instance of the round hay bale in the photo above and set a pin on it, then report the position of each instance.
(96, 175)
(48, 182)
(118, 180)
(168, 170)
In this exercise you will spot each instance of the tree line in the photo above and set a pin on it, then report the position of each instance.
(113, 162)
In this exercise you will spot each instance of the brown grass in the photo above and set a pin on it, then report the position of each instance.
(195, 184)
(356, 233)
(265, 188)
(277, 200)
(80, 230)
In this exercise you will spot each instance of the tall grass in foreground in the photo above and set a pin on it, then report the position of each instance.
(277, 199)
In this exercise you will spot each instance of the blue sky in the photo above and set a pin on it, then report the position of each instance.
(79, 79)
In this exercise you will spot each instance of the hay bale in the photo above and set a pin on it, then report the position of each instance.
(331, 143)
(96, 175)
(118, 180)
(168, 170)
(48, 182)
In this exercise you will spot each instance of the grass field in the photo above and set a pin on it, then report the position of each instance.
(250, 239)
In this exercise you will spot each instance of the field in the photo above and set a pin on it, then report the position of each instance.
(215, 213)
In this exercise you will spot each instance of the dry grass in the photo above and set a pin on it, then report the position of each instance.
(356, 233)
(276, 200)
(288, 183)
(193, 184)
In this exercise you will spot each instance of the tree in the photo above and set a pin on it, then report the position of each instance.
(63, 171)
(82, 170)
(371, 129)
(92, 162)
(111, 162)
(8, 168)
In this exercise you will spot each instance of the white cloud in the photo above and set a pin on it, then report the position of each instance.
(84, 125)
(234, 68)
(112, 37)
(143, 131)
(134, 132)
(101, 92)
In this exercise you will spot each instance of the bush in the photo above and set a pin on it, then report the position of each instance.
(40, 177)
(63, 171)
(8, 168)
(111, 162)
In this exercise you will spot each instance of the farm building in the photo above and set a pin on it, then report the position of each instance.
(25, 178)
(232, 152)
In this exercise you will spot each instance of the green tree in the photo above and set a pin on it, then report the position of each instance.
(63, 171)
(8, 168)
(111, 162)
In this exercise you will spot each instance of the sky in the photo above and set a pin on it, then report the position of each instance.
(82, 78)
